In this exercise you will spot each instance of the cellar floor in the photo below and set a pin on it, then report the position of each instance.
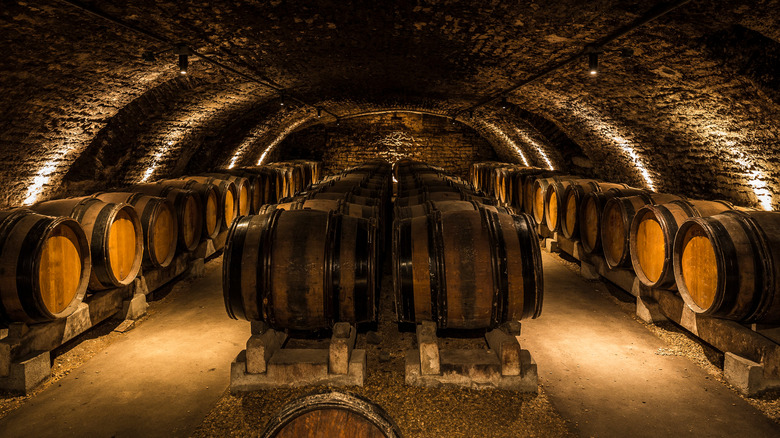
(602, 372)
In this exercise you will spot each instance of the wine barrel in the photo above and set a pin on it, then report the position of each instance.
(728, 265)
(243, 190)
(554, 208)
(444, 206)
(331, 415)
(539, 199)
(114, 233)
(44, 266)
(209, 200)
(616, 225)
(572, 199)
(301, 269)
(441, 197)
(187, 207)
(590, 216)
(466, 269)
(338, 206)
(158, 221)
(227, 197)
(652, 237)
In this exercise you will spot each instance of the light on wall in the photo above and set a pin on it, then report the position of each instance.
(504, 104)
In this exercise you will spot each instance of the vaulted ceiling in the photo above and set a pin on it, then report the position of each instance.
(687, 103)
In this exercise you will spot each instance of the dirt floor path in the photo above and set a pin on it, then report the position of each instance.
(610, 377)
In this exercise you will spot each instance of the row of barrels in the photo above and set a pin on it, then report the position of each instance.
(54, 252)
(720, 257)
(313, 259)
(458, 261)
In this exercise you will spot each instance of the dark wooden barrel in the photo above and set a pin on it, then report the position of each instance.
(444, 206)
(728, 265)
(187, 207)
(44, 266)
(158, 221)
(616, 225)
(331, 415)
(441, 197)
(114, 233)
(466, 269)
(590, 216)
(228, 196)
(529, 191)
(301, 269)
(652, 237)
(243, 191)
(209, 201)
(572, 199)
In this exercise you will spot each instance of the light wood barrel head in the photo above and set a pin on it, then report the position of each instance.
(230, 207)
(122, 242)
(189, 223)
(552, 212)
(211, 213)
(243, 200)
(59, 275)
(571, 214)
(651, 247)
(613, 232)
(164, 239)
(591, 223)
(699, 267)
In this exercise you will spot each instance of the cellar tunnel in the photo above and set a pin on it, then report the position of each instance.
(677, 98)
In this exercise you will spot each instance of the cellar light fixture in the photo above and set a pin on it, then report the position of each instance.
(593, 63)
(281, 100)
(184, 57)
(504, 103)
(319, 112)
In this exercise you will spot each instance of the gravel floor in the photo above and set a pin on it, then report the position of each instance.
(419, 412)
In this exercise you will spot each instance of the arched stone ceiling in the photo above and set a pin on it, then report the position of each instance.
(693, 110)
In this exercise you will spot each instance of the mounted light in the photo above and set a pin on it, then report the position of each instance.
(281, 100)
(504, 103)
(184, 58)
(471, 115)
(593, 63)
(319, 112)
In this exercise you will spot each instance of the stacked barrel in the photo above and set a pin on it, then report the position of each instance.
(458, 261)
(721, 258)
(313, 259)
(55, 252)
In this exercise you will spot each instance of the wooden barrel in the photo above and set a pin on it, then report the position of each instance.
(529, 190)
(301, 269)
(158, 221)
(572, 199)
(539, 199)
(243, 191)
(466, 269)
(444, 206)
(728, 265)
(188, 209)
(652, 237)
(209, 201)
(44, 266)
(590, 216)
(227, 197)
(114, 233)
(616, 225)
(331, 415)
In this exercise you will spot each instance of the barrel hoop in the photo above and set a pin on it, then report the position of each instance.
(364, 309)
(265, 298)
(102, 220)
(532, 265)
(332, 272)
(498, 265)
(763, 253)
(436, 258)
(405, 286)
(26, 268)
(146, 218)
(231, 269)
(727, 262)
(686, 206)
(669, 228)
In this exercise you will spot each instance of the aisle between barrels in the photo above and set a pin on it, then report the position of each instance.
(160, 380)
(604, 372)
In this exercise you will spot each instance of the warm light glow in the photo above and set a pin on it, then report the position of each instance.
(528, 139)
(40, 180)
(594, 72)
(287, 130)
(603, 127)
(505, 138)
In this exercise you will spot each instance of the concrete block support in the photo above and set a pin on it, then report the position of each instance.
(27, 373)
(745, 375)
(428, 344)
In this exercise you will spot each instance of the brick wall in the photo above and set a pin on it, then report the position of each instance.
(390, 136)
